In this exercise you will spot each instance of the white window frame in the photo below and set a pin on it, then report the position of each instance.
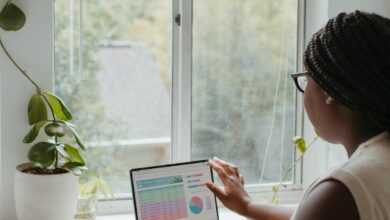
(181, 133)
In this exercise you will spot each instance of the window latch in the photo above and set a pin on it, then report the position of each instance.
(178, 19)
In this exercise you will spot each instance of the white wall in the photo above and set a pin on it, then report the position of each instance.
(381, 7)
(32, 47)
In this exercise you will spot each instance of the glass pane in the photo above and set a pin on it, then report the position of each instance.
(113, 70)
(243, 99)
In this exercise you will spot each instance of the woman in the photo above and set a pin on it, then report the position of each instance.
(347, 99)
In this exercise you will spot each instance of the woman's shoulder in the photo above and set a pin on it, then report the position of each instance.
(370, 160)
(329, 199)
(360, 185)
(362, 178)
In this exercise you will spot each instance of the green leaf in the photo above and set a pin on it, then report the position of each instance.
(59, 107)
(89, 188)
(12, 18)
(275, 197)
(36, 110)
(72, 165)
(54, 129)
(71, 127)
(95, 185)
(300, 144)
(34, 131)
(104, 188)
(60, 149)
(75, 167)
(74, 155)
(42, 153)
(77, 138)
(66, 123)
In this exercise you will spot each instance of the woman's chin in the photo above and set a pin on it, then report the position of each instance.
(326, 136)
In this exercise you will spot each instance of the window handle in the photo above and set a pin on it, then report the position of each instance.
(178, 19)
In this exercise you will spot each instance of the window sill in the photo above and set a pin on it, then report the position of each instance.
(223, 214)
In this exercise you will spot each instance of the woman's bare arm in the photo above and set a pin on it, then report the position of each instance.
(269, 212)
(233, 195)
(329, 200)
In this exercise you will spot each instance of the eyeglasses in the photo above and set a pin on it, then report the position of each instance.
(300, 80)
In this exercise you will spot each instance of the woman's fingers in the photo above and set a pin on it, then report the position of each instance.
(230, 168)
(220, 171)
(218, 191)
(242, 180)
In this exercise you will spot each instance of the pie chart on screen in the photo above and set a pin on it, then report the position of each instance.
(196, 205)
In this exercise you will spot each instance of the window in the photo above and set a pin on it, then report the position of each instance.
(113, 62)
(243, 102)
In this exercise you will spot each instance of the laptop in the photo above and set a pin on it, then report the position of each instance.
(174, 191)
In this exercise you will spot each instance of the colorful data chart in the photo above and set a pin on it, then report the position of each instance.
(162, 203)
(196, 205)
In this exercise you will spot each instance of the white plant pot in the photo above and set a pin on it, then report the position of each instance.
(45, 197)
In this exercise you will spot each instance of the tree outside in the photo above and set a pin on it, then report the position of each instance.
(112, 64)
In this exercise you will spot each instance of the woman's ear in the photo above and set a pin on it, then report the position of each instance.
(329, 100)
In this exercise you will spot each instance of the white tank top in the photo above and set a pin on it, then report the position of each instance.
(367, 176)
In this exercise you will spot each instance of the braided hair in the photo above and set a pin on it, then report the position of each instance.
(349, 59)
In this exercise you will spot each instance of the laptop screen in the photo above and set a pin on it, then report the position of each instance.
(174, 191)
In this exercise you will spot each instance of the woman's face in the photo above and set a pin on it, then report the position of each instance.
(323, 115)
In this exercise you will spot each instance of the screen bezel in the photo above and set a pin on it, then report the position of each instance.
(164, 166)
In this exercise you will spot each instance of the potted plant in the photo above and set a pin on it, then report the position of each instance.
(46, 187)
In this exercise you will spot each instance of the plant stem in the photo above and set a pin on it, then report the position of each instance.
(297, 160)
(284, 176)
(54, 120)
(18, 67)
(37, 87)
(39, 90)
(56, 158)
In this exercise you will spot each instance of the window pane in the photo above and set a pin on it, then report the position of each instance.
(113, 70)
(243, 100)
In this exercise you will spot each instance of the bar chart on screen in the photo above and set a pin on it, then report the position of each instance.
(162, 203)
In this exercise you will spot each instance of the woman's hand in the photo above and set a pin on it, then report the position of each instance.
(232, 194)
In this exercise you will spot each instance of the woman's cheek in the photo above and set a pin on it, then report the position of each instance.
(309, 100)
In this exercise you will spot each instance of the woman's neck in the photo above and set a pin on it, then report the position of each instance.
(353, 140)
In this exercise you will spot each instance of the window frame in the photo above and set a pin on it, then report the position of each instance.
(181, 93)
(181, 106)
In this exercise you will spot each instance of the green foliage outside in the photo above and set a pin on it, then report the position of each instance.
(243, 101)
